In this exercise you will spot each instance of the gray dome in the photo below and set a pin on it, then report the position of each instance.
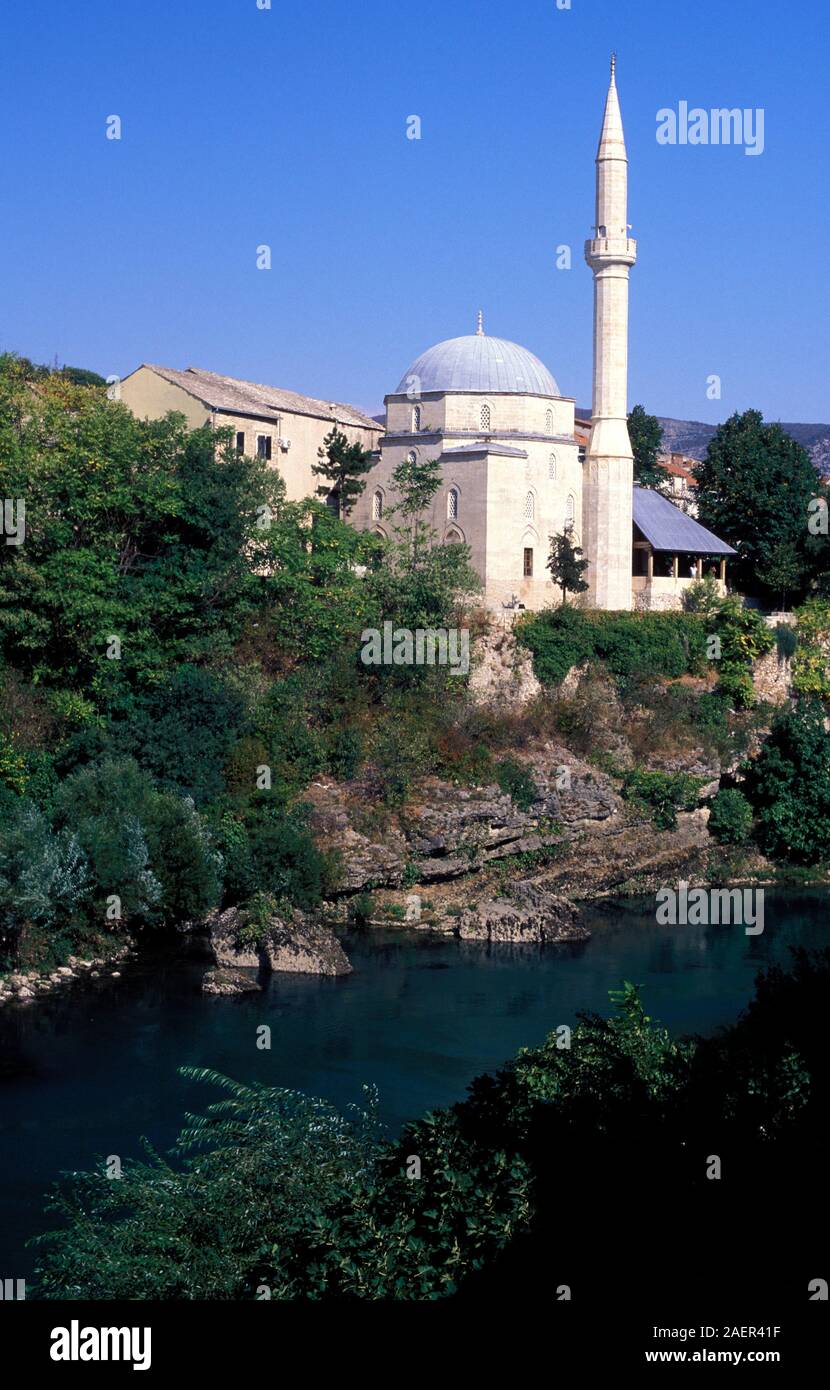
(479, 363)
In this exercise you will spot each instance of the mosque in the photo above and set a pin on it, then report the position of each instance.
(518, 467)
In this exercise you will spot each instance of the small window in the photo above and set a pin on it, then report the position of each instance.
(582, 453)
(530, 507)
(552, 468)
(485, 417)
(528, 562)
(570, 512)
(549, 421)
(453, 538)
(333, 503)
(377, 506)
(263, 446)
(240, 441)
(416, 417)
(452, 504)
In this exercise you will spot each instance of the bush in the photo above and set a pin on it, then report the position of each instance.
(515, 779)
(661, 794)
(788, 786)
(730, 818)
(558, 639)
(786, 640)
(630, 644)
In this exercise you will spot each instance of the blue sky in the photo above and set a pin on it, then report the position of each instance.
(287, 127)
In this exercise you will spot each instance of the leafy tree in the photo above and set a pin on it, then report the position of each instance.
(344, 465)
(789, 786)
(566, 564)
(646, 435)
(754, 488)
(730, 817)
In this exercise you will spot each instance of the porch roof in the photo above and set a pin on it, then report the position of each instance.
(666, 528)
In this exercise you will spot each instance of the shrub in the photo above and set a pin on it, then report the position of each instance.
(730, 817)
(661, 794)
(558, 639)
(789, 786)
(515, 779)
(630, 644)
(786, 640)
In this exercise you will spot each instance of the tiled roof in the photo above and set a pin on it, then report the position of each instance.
(667, 528)
(250, 398)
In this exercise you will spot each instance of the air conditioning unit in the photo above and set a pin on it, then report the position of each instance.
(285, 444)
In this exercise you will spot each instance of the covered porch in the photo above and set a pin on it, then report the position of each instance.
(670, 552)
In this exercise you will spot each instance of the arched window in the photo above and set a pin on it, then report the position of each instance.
(570, 512)
(377, 505)
(549, 421)
(485, 417)
(452, 504)
(453, 538)
(552, 468)
(416, 417)
(530, 507)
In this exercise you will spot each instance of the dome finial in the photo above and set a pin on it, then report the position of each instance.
(613, 67)
(480, 326)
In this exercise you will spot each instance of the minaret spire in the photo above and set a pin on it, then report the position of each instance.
(607, 485)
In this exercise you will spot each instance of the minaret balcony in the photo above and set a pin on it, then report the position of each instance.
(610, 250)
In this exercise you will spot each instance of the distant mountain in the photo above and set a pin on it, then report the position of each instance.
(691, 437)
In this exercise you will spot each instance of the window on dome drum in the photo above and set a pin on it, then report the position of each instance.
(452, 504)
(240, 441)
(530, 507)
(416, 417)
(570, 512)
(263, 446)
(549, 421)
(527, 568)
(485, 417)
(377, 506)
(552, 468)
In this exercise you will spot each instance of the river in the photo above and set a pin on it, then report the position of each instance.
(83, 1073)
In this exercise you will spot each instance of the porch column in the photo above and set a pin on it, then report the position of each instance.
(700, 566)
(675, 566)
(650, 564)
(723, 570)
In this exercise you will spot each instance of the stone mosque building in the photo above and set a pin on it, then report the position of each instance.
(517, 465)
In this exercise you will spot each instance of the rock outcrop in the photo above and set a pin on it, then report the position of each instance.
(299, 945)
(503, 671)
(528, 914)
(449, 831)
(228, 982)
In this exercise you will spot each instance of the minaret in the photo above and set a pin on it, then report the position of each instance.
(608, 471)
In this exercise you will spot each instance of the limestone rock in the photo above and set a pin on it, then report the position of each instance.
(529, 914)
(305, 947)
(502, 670)
(225, 981)
(300, 945)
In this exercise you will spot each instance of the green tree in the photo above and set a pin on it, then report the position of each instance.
(344, 465)
(566, 564)
(646, 435)
(754, 488)
(788, 786)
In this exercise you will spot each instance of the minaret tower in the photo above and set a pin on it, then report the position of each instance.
(608, 470)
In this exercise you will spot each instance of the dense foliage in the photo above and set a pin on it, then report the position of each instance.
(788, 785)
(629, 644)
(646, 435)
(755, 486)
(179, 658)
